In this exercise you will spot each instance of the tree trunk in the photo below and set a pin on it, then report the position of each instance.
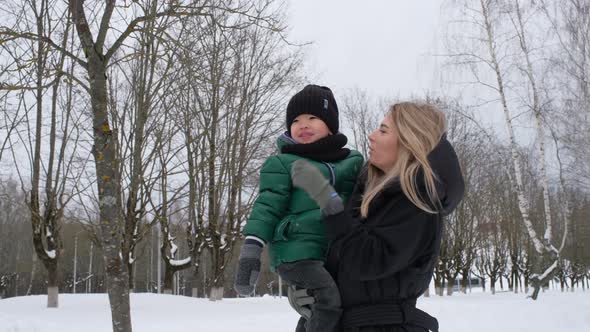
(438, 287)
(465, 281)
(33, 270)
(50, 264)
(216, 293)
(168, 281)
(108, 181)
(562, 283)
(52, 285)
(493, 284)
(52, 297)
(450, 286)
(107, 168)
(169, 273)
(441, 289)
(131, 282)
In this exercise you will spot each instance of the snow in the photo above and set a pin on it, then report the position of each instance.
(173, 246)
(50, 253)
(223, 242)
(479, 312)
(179, 262)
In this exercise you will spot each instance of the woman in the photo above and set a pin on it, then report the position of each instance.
(385, 243)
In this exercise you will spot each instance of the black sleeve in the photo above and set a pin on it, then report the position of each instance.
(374, 252)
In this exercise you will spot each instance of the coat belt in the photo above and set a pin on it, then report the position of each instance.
(388, 314)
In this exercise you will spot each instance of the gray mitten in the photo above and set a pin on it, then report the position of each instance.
(307, 177)
(248, 268)
(300, 300)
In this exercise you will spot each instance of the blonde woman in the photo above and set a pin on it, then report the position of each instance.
(385, 243)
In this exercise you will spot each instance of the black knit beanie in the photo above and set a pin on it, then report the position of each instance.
(315, 100)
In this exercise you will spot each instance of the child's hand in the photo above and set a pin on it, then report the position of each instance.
(307, 177)
(248, 269)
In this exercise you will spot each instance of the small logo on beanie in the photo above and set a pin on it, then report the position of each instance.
(326, 104)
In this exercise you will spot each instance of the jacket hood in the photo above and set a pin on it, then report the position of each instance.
(285, 139)
(450, 184)
(449, 179)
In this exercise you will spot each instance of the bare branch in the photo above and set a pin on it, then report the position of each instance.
(15, 35)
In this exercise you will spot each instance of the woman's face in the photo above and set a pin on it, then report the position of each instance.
(384, 145)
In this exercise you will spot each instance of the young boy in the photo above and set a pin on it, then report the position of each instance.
(289, 221)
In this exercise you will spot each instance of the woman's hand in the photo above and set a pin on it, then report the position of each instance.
(307, 177)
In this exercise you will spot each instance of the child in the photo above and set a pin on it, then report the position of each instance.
(287, 219)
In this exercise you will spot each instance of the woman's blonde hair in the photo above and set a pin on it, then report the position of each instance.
(420, 128)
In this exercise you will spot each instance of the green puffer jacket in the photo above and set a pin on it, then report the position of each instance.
(286, 218)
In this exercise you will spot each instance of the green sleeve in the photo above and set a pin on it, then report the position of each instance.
(272, 201)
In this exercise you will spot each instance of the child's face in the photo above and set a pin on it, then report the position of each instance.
(307, 128)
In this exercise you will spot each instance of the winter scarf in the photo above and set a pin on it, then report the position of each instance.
(330, 148)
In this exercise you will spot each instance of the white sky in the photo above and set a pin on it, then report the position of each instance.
(387, 48)
(381, 46)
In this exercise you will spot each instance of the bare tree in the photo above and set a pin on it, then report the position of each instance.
(164, 214)
(570, 62)
(498, 57)
(9, 123)
(237, 97)
(361, 115)
(101, 44)
(52, 161)
(140, 120)
(461, 235)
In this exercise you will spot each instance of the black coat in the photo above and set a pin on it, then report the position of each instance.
(386, 261)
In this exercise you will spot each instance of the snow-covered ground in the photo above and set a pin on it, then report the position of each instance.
(477, 312)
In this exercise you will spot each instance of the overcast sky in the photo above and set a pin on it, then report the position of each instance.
(387, 48)
(381, 46)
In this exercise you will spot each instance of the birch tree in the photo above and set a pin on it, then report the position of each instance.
(496, 55)
(570, 25)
